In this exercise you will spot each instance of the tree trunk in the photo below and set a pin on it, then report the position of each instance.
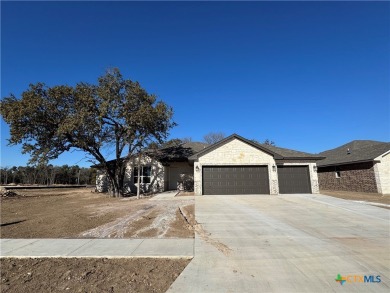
(114, 188)
(139, 176)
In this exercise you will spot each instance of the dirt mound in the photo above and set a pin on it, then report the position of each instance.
(8, 193)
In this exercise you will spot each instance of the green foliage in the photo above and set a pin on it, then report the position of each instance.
(115, 113)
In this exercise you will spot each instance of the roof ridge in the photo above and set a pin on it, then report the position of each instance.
(356, 146)
(283, 148)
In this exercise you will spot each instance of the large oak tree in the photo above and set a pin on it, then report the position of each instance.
(116, 113)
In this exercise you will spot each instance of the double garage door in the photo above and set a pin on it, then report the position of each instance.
(235, 180)
(254, 180)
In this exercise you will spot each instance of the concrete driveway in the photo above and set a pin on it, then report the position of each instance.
(287, 243)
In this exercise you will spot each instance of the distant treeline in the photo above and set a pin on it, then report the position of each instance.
(47, 175)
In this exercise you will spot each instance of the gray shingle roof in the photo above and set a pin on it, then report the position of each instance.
(289, 154)
(359, 151)
(178, 152)
(277, 152)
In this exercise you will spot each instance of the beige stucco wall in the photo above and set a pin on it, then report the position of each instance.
(382, 173)
(235, 152)
(313, 174)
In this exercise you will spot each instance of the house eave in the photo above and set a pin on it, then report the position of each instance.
(348, 163)
(299, 159)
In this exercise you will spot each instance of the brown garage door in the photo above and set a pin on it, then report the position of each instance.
(235, 180)
(294, 179)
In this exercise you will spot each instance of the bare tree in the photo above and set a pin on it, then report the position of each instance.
(186, 139)
(213, 137)
(269, 142)
(266, 142)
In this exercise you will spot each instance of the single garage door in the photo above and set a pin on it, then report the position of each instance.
(294, 179)
(235, 180)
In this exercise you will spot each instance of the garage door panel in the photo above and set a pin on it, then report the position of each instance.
(294, 179)
(235, 180)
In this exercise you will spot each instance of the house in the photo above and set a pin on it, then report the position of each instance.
(162, 169)
(360, 165)
(233, 165)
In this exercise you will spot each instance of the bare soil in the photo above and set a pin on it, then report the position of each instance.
(185, 193)
(359, 196)
(74, 213)
(89, 275)
(81, 213)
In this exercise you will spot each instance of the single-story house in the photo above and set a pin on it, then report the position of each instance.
(360, 165)
(162, 169)
(234, 165)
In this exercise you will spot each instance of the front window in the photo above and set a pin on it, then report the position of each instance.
(145, 175)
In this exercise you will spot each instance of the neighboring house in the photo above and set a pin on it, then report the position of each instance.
(360, 165)
(234, 165)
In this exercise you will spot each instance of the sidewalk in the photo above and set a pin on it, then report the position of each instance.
(167, 195)
(171, 195)
(110, 248)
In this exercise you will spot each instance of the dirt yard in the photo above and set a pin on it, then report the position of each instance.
(89, 275)
(81, 213)
(359, 196)
(78, 213)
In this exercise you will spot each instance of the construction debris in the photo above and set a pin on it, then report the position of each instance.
(7, 193)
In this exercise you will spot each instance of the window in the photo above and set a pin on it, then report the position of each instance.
(146, 172)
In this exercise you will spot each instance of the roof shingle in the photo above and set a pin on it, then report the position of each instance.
(359, 151)
(277, 152)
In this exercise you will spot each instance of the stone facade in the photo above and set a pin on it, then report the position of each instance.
(358, 177)
(157, 177)
(174, 176)
(157, 183)
(235, 152)
(101, 182)
(382, 173)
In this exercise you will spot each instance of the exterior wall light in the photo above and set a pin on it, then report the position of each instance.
(315, 168)
(197, 168)
(274, 168)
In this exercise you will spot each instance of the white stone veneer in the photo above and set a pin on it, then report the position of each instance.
(235, 152)
(382, 173)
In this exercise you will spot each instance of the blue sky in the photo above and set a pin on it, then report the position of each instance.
(308, 75)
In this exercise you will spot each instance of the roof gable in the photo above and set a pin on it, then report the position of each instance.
(228, 139)
(277, 152)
